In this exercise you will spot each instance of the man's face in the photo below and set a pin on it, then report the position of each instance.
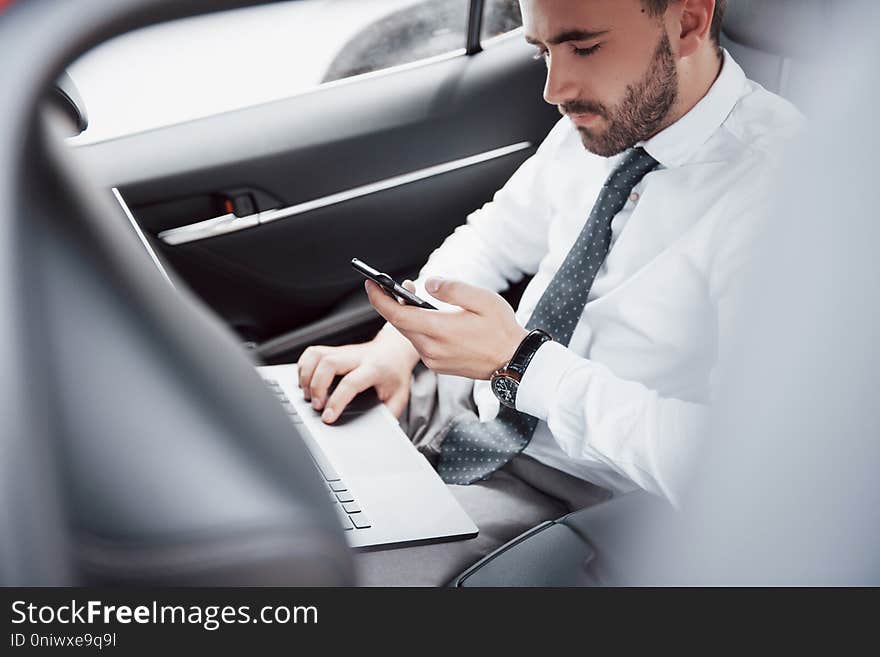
(610, 68)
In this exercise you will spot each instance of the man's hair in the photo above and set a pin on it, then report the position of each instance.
(658, 7)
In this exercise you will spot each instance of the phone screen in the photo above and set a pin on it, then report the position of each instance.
(390, 286)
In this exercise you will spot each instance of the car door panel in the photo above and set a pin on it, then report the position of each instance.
(277, 279)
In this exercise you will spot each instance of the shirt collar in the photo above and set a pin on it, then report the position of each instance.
(674, 146)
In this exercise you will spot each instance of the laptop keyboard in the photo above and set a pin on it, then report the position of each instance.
(351, 515)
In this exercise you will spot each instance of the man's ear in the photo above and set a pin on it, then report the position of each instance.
(694, 24)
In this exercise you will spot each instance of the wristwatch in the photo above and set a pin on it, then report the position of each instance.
(505, 380)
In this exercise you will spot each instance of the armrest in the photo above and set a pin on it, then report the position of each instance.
(351, 314)
(524, 560)
(591, 547)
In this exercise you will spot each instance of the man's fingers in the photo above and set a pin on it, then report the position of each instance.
(470, 297)
(348, 388)
(381, 301)
(306, 367)
(405, 318)
(341, 359)
(324, 374)
(397, 402)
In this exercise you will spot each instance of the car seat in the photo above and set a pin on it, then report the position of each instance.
(139, 444)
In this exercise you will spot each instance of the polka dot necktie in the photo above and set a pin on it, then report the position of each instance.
(473, 450)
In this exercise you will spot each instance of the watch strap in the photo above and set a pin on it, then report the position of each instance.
(527, 350)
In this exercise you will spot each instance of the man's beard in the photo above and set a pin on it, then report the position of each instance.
(642, 112)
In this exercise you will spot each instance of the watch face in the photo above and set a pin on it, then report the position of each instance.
(505, 389)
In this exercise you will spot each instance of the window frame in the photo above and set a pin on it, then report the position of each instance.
(475, 27)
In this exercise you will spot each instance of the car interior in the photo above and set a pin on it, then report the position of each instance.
(125, 397)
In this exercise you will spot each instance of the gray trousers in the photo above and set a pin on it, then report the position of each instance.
(516, 498)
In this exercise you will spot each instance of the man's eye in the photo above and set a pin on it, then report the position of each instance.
(585, 52)
(580, 52)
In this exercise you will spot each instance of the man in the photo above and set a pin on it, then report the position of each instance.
(634, 216)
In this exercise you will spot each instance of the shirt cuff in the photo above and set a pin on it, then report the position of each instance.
(537, 390)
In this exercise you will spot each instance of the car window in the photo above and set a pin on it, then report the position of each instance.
(414, 31)
(201, 66)
(417, 31)
(500, 17)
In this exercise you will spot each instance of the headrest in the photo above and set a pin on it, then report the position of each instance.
(780, 27)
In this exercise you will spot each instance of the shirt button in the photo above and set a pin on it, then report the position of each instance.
(634, 197)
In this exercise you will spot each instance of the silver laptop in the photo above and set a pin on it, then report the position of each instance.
(384, 491)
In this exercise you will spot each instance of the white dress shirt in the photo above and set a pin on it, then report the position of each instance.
(624, 405)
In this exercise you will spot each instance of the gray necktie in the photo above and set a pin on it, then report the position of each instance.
(473, 450)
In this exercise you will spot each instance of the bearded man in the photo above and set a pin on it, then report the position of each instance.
(633, 218)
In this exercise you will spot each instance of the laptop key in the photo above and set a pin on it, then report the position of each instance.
(326, 469)
(351, 507)
(360, 520)
(344, 497)
(338, 486)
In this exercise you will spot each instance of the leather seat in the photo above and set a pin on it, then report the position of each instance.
(139, 444)
(770, 39)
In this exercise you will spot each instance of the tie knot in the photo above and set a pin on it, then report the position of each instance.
(631, 169)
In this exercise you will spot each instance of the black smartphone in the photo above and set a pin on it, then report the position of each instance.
(392, 287)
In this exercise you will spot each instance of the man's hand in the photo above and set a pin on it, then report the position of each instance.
(386, 364)
(471, 342)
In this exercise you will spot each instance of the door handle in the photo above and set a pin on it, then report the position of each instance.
(227, 223)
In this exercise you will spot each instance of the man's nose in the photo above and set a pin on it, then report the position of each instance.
(560, 87)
